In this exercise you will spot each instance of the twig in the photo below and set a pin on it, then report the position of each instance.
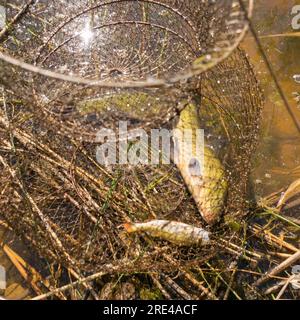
(290, 279)
(192, 279)
(280, 254)
(271, 238)
(160, 287)
(275, 288)
(43, 218)
(175, 287)
(70, 286)
(16, 18)
(87, 285)
(107, 269)
(284, 265)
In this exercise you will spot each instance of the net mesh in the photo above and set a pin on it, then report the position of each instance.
(71, 68)
(60, 54)
(113, 41)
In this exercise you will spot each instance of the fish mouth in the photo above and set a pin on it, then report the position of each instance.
(210, 217)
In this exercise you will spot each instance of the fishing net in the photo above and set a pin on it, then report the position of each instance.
(232, 104)
(110, 42)
(71, 68)
(59, 54)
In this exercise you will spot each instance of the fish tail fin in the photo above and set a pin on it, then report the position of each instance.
(129, 227)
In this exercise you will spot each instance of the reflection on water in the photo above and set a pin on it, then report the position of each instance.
(279, 150)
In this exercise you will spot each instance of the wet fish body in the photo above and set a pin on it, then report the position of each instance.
(172, 231)
(209, 188)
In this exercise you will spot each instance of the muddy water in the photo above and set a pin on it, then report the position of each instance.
(279, 150)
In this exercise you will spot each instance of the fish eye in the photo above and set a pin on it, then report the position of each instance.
(194, 167)
(115, 72)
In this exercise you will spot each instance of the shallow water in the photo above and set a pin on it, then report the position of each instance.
(13, 286)
(279, 150)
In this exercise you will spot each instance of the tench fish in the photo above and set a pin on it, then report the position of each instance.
(204, 176)
(208, 188)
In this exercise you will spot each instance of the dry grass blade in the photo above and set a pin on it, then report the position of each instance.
(293, 190)
(26, 271)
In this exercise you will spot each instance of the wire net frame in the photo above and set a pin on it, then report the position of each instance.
(144, 43)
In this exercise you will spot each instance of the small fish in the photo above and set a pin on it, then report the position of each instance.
(176, 232)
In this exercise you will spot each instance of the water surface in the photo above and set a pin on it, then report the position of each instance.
(279, 150)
